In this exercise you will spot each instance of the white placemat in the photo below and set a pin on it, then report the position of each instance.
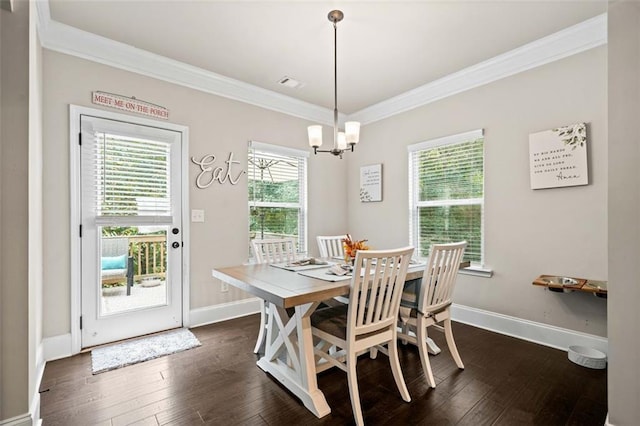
(295, 268)
(322, 274)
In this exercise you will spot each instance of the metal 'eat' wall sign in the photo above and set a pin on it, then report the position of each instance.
(221, 174)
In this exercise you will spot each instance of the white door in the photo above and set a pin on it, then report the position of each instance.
(131, 229)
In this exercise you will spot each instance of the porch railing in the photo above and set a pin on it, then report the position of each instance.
(149, 254)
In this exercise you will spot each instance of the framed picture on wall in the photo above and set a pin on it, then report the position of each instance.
(558, 157)
(371, 183)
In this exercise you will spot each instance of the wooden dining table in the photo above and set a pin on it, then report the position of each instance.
(289, 355)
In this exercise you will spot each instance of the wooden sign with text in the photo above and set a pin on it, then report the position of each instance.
(130, 105)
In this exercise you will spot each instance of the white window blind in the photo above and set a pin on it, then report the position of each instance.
(446, 193)
(131, 176)
(277, 185)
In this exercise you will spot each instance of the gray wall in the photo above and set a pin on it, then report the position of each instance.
(527, 232)
(624, 211)
(216, 126)
(15, 354)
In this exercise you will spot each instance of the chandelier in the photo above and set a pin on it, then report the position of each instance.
(342, 140)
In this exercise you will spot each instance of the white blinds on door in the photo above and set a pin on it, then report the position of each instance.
(130, 175)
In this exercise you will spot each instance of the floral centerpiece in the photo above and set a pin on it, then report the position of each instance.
(351, 247)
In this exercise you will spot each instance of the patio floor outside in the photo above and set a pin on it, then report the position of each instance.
(116, 301)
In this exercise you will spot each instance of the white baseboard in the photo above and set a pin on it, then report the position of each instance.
(560, 338)
(606, 421)
(21, 420)
(57, 347)
(34, 408)
(543, 334)
(223, 312)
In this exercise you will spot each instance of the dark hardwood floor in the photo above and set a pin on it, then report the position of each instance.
(506, 381)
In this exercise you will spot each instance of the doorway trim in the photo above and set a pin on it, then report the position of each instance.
(75, 112)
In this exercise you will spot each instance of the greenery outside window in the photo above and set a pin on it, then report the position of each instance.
(446, 193)
(277, 188)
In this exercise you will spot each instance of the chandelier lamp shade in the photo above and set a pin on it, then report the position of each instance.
(342, 140)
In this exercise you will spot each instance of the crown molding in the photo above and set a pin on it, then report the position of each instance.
(570, 41)
(72, 41)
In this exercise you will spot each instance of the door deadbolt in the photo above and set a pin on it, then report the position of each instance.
(175, 231)
(175, 244)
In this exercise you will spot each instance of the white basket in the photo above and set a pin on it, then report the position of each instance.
(588, 357)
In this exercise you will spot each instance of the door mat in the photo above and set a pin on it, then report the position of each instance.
(132, 352)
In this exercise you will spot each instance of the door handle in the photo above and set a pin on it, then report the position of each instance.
(175, 244)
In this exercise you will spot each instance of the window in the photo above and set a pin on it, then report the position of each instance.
(277, 185)
(446, 193)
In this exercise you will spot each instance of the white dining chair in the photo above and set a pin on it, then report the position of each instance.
(369, 320)
(433, 303)
(331, 245)
(271, 250)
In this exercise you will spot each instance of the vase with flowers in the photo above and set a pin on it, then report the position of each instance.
(351, 246)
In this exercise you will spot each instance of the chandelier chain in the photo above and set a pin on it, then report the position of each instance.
(342, 141)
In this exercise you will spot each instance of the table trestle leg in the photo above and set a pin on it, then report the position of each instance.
(291, 338)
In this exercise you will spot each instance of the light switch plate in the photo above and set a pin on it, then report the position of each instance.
(197, 215)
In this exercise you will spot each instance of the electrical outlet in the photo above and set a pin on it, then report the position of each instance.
(197, 215)
(224, 287)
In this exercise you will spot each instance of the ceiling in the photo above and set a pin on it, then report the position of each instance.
(385, 48)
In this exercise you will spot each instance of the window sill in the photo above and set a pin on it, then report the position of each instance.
(476, 271)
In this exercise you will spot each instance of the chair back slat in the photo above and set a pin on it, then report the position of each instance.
(331, 246)
(274, 250)
(395, 276)
(376, 286)
(439, 278)
(380, 278)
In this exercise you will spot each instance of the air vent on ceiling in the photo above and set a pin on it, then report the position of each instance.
(290, 82)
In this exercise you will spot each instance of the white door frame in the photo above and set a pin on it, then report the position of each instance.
(75, 210)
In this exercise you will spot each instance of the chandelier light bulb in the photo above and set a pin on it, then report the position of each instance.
(315, 135)
(342, 141)
(352, 131)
